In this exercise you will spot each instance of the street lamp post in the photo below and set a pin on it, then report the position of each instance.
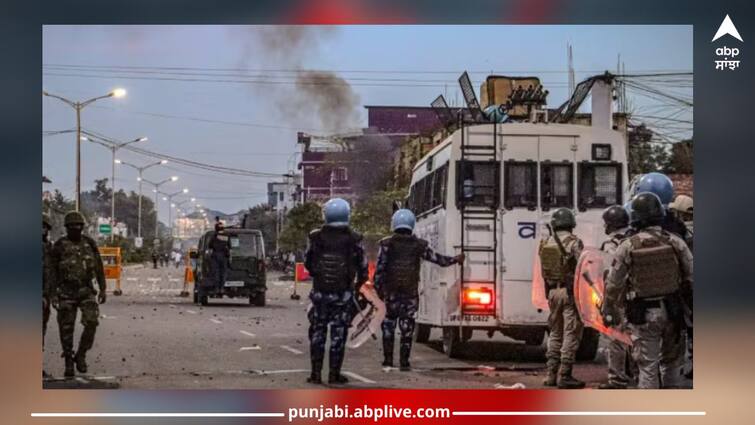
(157, 191)
(169, 197)
(78, 106)
(113, 149)
(140, 170)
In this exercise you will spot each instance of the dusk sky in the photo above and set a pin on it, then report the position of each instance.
(253, 125)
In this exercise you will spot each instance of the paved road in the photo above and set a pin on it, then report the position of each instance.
(152, 338)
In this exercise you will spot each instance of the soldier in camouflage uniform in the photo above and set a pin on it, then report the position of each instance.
(75, 263)
(558, 258)
(334, 259)
(650, 271)
(396, 280)
(616, 221)
(47, 280)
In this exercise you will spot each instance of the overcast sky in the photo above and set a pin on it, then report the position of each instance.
(260, 120)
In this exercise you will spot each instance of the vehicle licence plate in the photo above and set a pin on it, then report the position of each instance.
(234, 283)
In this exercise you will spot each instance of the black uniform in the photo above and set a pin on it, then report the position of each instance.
(335, 258)
(396, 280)
(220, 254)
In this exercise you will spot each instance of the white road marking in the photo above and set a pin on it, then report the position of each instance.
(105, 316)
(154, 279)
(104, 378)
(276, 372)
(174, 279)
(293, 350)
(191, 311)
(248, 334)
(276, 283)
(216, 321)
(359, 377)
(132, 278)
(254, 347)
(485, 367)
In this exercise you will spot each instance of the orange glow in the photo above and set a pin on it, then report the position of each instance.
(478, 296)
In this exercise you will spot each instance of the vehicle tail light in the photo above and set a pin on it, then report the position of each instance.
(478, 300)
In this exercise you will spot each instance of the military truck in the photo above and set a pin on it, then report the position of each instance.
(245, 274)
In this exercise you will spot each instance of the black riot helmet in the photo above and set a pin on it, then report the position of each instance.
(563, 219)
(647, 210)
(615, 217)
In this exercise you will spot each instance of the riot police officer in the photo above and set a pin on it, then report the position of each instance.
(47, 281)
(334, 258)
(75, 263)
(396, 280)
(650, 270)
(663, 187)
(616, 224)
(558, 259)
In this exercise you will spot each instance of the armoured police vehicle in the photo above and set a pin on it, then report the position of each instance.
(487, 191)
(245, 272)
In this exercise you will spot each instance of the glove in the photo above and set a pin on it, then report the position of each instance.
(460, 258)
(102, 297)
(54, 301)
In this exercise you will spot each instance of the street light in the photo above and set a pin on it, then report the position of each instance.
(157, 191)
(169, 197)
(113, 149)
(140, 179)
(78, 106)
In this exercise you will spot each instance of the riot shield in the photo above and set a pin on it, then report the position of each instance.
(366, 323)
(589, 289)
(539, 300)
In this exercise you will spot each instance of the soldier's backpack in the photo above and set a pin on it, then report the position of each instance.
(655, 266)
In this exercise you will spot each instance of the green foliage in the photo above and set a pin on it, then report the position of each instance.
(644, 155)
(262, 218)
(372, 217)
(301, 220)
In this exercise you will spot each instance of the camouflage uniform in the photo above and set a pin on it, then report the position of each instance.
(401, 300)
(564, 322)
(655, 322)
(619, 356)
(334, 259)
(75, 264)
(47, 289)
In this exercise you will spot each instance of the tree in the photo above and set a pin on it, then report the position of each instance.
(681, 161)
(301, 220)
(262, 218)
(645, 154)
(372, 218)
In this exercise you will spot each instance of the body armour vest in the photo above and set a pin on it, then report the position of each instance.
(655, 266)
(76, 265)
(404, 256)
(556, 266)
(334, 258)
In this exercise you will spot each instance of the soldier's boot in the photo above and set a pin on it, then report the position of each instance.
(335, 377)
(552, 379)
(387, 353)
(69, 372)
(81, 361)
(315, 377)
(566, 380)
(404, 352)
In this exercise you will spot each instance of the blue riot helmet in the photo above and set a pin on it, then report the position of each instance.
(403, 219)
(336, 212)
(659, 184)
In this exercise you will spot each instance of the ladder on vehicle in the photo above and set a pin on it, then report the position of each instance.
(479, 214)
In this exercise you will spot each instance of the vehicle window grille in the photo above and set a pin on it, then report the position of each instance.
(520, 185)
(599, 185)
